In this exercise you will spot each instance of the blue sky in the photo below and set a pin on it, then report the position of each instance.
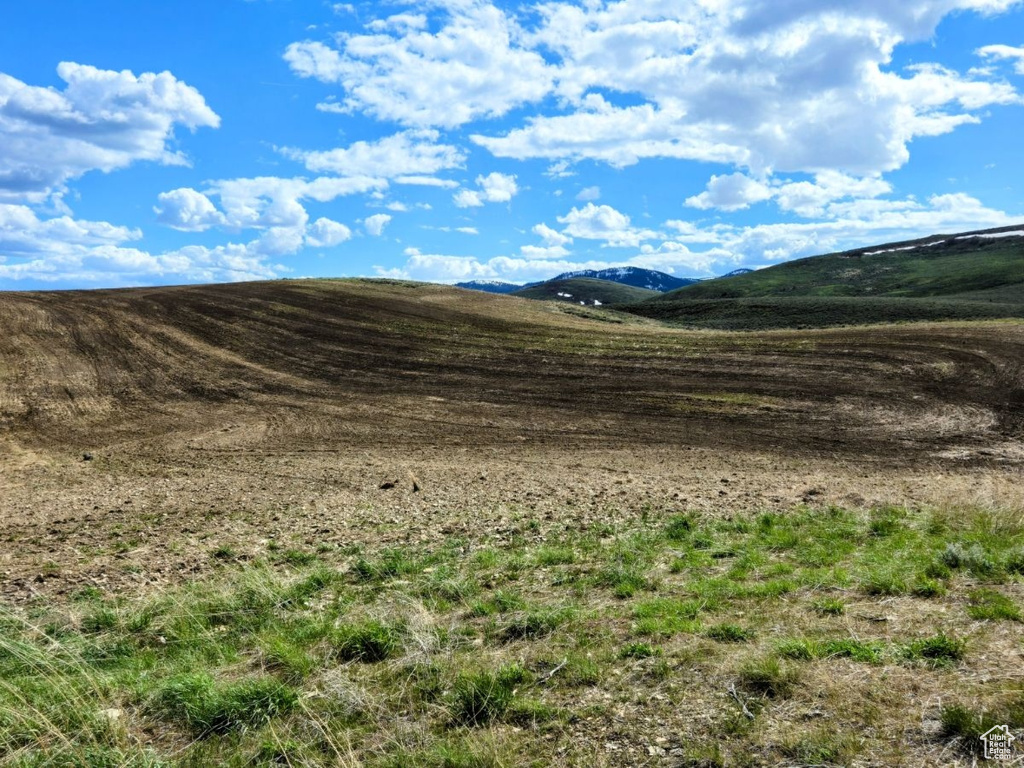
(449, 140)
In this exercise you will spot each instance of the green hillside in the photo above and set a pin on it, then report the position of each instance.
(939, 266)
(588, 290)
(772, 312)
(944, 277)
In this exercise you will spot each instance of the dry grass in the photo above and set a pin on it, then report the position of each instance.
(470, 655)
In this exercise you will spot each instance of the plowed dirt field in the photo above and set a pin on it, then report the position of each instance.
(141, 429)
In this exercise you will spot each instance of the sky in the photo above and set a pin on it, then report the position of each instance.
(201, 141)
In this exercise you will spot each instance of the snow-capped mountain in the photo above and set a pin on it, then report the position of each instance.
(492, 286)
(634, 276)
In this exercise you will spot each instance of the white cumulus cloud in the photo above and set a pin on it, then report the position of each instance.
(551, 236)
(730, 193)
(811, 199)
(272, 201)
(467, 198)
(274, 206)
(472, 67)
(325, 233)
(405, 154)
(187, 210)
(374, 225)
(498, 187)
(602, 222)
(493, 188)
(102, 120)
(67, 250)
(792, 87)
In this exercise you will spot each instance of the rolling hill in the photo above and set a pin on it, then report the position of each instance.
(349, 364)
(585, 290)
(965, 276)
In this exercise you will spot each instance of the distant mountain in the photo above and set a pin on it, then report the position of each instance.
(491, 286)
(586, 291)
(637, 277)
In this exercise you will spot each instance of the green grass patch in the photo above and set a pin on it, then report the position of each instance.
(804, 649)
(989, 605)
(768, 676)
(534, 624)
(638, 651)
(623, 580)
(824, 747)
(389, 564)
(502, 601)
(204, 706)
(481, 697)
(679, 528)
(667, 616)
(829, 606)
(937, 651)
(369, 642)
(549, 556)
(298, 557)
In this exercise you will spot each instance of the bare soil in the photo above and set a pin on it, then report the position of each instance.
(232, 415)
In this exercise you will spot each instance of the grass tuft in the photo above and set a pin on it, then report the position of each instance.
(829, 606)
(680, 527)
(937, 651)
(197, 702)
(1014, 562)
(666, 616)
(886, 521)
(482, 697)
(768, 676)
(549, 556)
(389, 564)
(624, 580)
(729, 633)
(502, 601)
(369, 642)
(823, 747)
(803, 649)
(638, 651)
(534, 624)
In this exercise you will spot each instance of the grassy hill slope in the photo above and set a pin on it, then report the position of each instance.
(586, 289)
(941, 266)
(944, 277)
(773, 312)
